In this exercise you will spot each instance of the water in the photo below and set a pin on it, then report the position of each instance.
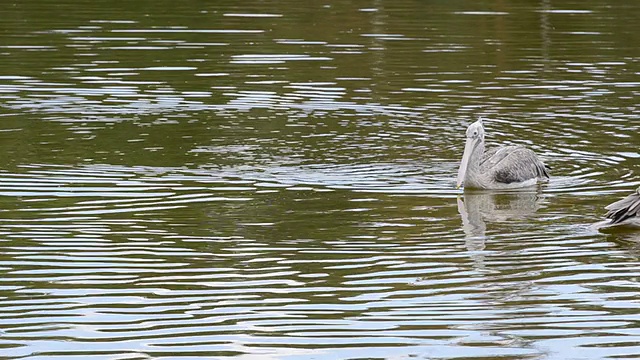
(277, 180)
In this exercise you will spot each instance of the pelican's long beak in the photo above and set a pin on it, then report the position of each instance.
(464, 163)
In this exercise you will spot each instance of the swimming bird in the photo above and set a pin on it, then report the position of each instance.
(504, 167)
(625, 211)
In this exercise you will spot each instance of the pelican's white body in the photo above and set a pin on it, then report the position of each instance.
(507, 167)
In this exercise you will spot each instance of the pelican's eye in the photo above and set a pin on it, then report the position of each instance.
(475, 133)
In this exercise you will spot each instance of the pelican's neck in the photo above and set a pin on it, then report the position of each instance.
(476, 156)
(473, 177)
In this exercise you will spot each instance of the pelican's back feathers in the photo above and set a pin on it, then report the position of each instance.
(624, 209)
(513, 164)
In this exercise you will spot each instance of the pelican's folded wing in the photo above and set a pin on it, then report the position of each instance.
(513, 164)
(624, 209)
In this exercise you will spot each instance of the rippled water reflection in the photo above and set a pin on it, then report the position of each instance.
(276, 180)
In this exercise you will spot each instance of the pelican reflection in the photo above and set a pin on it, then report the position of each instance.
(478, 208)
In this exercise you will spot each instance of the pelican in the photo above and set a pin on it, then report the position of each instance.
(625, 211)
(505, 167)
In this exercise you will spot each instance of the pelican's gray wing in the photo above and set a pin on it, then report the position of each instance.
(489, 153)
(624, 209)
(511, 164)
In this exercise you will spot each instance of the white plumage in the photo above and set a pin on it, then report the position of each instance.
(499, 168)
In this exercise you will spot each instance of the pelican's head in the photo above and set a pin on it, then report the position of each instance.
(475, 137)
(476, 130)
